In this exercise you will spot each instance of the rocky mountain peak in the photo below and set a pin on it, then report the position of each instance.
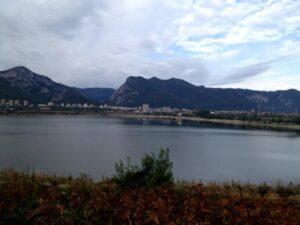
(179, 93)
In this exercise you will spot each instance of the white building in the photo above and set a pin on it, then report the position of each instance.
(10, 102)
(16, 102)
(145, 108)
(25, 103)
(166, 109)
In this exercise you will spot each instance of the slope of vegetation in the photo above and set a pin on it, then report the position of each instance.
(143, 194)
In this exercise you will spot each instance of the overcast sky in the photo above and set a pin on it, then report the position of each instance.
(98, 43)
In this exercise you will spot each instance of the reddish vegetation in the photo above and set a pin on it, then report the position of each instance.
(50, 200)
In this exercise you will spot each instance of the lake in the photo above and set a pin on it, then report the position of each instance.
(88, 144)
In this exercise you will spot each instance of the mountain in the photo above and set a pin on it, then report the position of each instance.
(21, 83)
(97, 95)
(181, 94)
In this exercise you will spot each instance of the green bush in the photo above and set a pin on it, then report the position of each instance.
(156, 170)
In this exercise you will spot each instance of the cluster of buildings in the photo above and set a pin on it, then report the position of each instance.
(66, 105)
(165, 109)
(25, 103)
(145, 108)
(16, 104)
(13, 102)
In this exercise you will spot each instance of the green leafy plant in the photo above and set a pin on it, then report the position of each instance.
(156, 170)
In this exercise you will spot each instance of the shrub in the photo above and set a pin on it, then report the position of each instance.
(263, 189)
(156, 170)
(284, 191)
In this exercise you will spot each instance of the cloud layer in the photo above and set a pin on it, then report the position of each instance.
(100, 43)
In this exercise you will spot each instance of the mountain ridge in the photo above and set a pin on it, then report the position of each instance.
(178, 93)
(21, 83)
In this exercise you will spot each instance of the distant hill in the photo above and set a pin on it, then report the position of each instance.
(97, 95)
(21, 83)
(181, 94)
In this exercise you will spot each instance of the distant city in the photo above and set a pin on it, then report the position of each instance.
(145, 108)
(25, 105)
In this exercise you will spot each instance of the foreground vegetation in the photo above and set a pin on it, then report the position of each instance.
(144, 194)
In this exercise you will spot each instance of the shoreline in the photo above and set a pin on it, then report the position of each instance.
(221, 122)
(235, 123)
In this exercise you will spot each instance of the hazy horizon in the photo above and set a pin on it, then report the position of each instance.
(94, 43)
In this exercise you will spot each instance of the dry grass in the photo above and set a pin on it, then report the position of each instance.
(33, 199)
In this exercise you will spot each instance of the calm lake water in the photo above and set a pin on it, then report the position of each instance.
(92, 145)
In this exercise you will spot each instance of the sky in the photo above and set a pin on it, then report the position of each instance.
(252, 44)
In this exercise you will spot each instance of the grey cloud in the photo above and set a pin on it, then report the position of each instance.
(69, 21)
(90, 42)
(247, 72)
(93, 42)
(100, 43)
(57, 17)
